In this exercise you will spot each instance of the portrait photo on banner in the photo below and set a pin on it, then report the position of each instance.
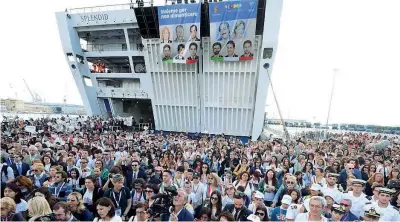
(232, 33)
(180, 37)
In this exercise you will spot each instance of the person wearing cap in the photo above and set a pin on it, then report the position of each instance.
(375, 190)
(315, 190)
(332, 188)
(357, 197)
(371, 215)
(279, 213)
(337, 213)
(316, 204)
(258, 200)
(383, 206)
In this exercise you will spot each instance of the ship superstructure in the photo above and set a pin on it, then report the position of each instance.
(113, 53)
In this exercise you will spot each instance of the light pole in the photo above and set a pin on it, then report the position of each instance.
(286, 133)
(330, 101)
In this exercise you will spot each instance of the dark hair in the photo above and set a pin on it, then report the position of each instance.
(274, 180)
(205, 210)
(63, 205)
(181, 46)
(93, 178)
(219, 202)
(167, 46)
(97, 151)
(247, 41)
(227, 215)
(217, 43)
(167, 171)
(193, 43)
(76, 171)
(63, 174)
(193, 26)
(264, 209)
(106, 202)
(231, 42)
(15, 188)
(154, 187)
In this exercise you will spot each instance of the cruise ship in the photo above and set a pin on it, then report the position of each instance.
(115, 54)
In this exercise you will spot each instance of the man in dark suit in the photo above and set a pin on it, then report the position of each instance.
(180, 213)
(344, 174)
(19, 167)
(238, 208)
(134, 173)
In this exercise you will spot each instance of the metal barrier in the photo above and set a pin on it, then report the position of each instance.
(90, 47)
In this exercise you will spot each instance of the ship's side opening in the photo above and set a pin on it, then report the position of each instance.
(140, 110)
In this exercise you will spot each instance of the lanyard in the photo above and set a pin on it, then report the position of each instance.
(198, 185)
(119, 199)
(55, 190)
(281, 215)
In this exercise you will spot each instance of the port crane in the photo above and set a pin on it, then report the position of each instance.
(36, 98)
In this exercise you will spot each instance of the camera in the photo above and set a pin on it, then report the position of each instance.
(163, 202)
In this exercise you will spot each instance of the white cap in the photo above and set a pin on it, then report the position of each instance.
(287, 199)
(316, 187)
(258, 194)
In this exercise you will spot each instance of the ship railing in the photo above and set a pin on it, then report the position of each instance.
(114, 69)
(148, 125)
(104, 8)
(100, 47)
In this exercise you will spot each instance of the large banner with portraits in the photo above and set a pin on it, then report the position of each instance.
(232, 29)
(180, 32)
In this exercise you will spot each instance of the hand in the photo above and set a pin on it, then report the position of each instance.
(302, 209)
(273, 205)
(173, 217)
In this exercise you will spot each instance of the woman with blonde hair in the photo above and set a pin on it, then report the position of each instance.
(78, 209)
(39, 175)
(238, 30)
(213, 183)
(39, 210)
(165, 35)
(8, 210)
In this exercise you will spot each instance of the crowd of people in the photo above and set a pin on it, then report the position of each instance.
(93, 173)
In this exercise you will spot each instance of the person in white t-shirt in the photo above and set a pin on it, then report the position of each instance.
(316, 206)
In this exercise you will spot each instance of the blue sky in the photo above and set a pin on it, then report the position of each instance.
(359, 37)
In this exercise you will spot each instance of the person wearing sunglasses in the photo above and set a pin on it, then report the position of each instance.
(39, 176)
(228, 197)
(289, 183)
(349, 170)
(262, 213)
(348, 215)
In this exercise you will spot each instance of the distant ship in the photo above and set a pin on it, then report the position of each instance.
(113, 52)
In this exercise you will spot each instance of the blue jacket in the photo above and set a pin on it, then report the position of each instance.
(185, 215)
(60, 192)
(343, 177)
(349, 217)
(276, 212)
